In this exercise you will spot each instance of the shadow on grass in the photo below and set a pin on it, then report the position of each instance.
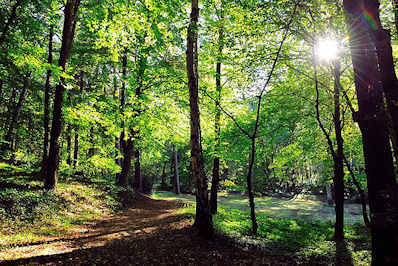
(343, 254)
(13, 184)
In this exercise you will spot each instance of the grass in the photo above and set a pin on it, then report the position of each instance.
(28, 213)
(307, 241)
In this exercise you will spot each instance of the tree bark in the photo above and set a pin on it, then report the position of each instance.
(338, 164)
(249, 178)
(10, 20)
(382, 188)
(338, 158)
(126, 164)
(76, 149)
(46, 116)
(176, 174)
(361, 194)
(70, 13)
(69, 145)
(217, 140)
(395, 6)
(137, 170)
(163, 176)
(203, 218)
(382, 41)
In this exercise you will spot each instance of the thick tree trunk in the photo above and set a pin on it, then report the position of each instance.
(382, 41)
(46, 116)
(203, 219)
(10, 20)
(217, 140)
(176, 174)
(338, 158)
(382, 188)
(126, 164)
(395, 6)
(70, 12)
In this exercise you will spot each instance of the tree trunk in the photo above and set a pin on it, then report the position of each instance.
(163, 177)
(338, 158)
(249, 185)
(338, 165)
(382, 189)
(69, 145)
(126, 164)
(10, 20)
(137, 170)
(382, 40)
(9, 137)
(329, 194)
(70, 13)
(203, 218)
(176, 175)
(46, 116)
(76, 149)
(395, 6)
(361, 194)
(217, 140)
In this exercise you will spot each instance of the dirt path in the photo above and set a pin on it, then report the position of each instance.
(151, 233)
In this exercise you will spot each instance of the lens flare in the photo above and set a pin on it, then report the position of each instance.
(327, 49)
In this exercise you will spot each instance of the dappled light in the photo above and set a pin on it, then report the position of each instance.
(200, 132)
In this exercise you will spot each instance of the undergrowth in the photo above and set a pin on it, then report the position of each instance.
(27, 212)
(307, 241)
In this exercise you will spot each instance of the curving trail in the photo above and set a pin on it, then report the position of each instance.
(150, 233)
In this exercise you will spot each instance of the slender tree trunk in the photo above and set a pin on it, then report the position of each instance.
(76, 149)
(176, 174)
(137, 170)
(91, 150)
(70, 12)
(249, 185)
(69, 145)
(76, 143)
(203, 219)
(163, 177)
(338, 158)
(46, 116)
(383, 198)
(361, 194)
(9, 137)
(217, 140)
(338, 165)
(10, 20)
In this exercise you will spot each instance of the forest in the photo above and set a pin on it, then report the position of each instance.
(200, 132)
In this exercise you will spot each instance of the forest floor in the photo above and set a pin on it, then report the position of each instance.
(154, 232)
(90, 221)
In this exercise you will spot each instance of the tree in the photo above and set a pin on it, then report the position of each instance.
(70, 14)
(371, 118)
(217, 117)
(203, 219)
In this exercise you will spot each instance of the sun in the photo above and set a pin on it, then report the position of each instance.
(327, 49)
